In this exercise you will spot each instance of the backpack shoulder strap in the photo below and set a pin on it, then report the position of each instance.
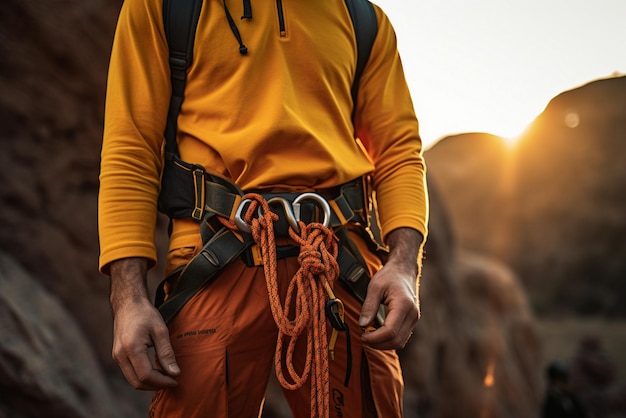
(180, 19)
(365, 28)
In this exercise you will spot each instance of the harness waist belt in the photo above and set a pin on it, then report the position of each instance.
(188, 191)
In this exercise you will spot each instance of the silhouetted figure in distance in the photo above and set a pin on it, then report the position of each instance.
(560, 401)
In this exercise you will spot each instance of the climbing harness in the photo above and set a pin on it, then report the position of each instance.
(324, 254)
(223, 200)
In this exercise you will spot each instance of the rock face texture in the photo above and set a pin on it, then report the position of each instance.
(52, 90)
(47, 365)
(474, 353)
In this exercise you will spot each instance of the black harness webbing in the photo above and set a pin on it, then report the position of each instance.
(180, 20)
(219, 251)
(365, 28)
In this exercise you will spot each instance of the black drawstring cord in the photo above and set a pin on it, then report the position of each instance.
(349, 356)
(243, 50)
(247, 10)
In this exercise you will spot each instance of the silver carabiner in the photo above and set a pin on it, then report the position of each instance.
(323, 203)
(241, 224)
(292, 211)
(291, 218)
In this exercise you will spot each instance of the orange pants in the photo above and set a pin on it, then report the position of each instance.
(224, 340)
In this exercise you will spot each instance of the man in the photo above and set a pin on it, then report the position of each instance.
(267, 106)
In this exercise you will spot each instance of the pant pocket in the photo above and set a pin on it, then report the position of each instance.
(385, 382)
(202, 386)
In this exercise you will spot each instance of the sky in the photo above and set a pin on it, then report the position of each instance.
(493, 65)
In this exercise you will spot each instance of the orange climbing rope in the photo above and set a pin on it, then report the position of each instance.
(303, 312)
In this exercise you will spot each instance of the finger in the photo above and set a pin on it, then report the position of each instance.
(144, 376)
(138, 370)
(386, 339)
(386, 336)
(394, 333)
(165, 352)
(127, 371)
(131, 377)
(370, 305)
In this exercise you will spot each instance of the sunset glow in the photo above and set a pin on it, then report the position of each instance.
(492, 66)
(489, 379)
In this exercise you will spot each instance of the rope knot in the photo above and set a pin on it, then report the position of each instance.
(311, 262)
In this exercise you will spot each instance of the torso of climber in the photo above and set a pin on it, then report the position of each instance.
(277, 118)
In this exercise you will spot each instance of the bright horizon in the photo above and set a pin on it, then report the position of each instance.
(492, 66)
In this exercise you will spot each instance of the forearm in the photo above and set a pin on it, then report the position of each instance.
(128, 282)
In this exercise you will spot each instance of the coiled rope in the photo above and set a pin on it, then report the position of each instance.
(306, 298)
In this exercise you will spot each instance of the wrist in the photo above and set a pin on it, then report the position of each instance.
(128, 282)
(404, 246)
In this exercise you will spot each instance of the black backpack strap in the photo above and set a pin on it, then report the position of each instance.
(180, 19)
(365, 26)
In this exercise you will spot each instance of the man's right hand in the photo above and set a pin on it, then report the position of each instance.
(138, 325)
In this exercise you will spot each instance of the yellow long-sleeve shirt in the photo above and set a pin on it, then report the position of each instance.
(278, 117)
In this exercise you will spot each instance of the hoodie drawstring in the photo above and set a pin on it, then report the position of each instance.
(247, 14)
(247, 10)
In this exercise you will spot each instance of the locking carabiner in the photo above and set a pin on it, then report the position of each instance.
(319, 200)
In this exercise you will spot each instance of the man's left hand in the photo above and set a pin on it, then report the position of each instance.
(396, 287)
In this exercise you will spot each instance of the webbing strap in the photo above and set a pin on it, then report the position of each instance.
(348, 206)
(220, 200)
(352, 272)
(180, 19)
(365, 25)
(218, 252)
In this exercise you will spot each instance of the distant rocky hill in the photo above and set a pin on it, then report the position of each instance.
(553, 207)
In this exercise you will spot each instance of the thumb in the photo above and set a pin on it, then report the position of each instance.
(370, 306)
(165, 352)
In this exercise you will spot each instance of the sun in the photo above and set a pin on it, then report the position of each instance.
(512, 141)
